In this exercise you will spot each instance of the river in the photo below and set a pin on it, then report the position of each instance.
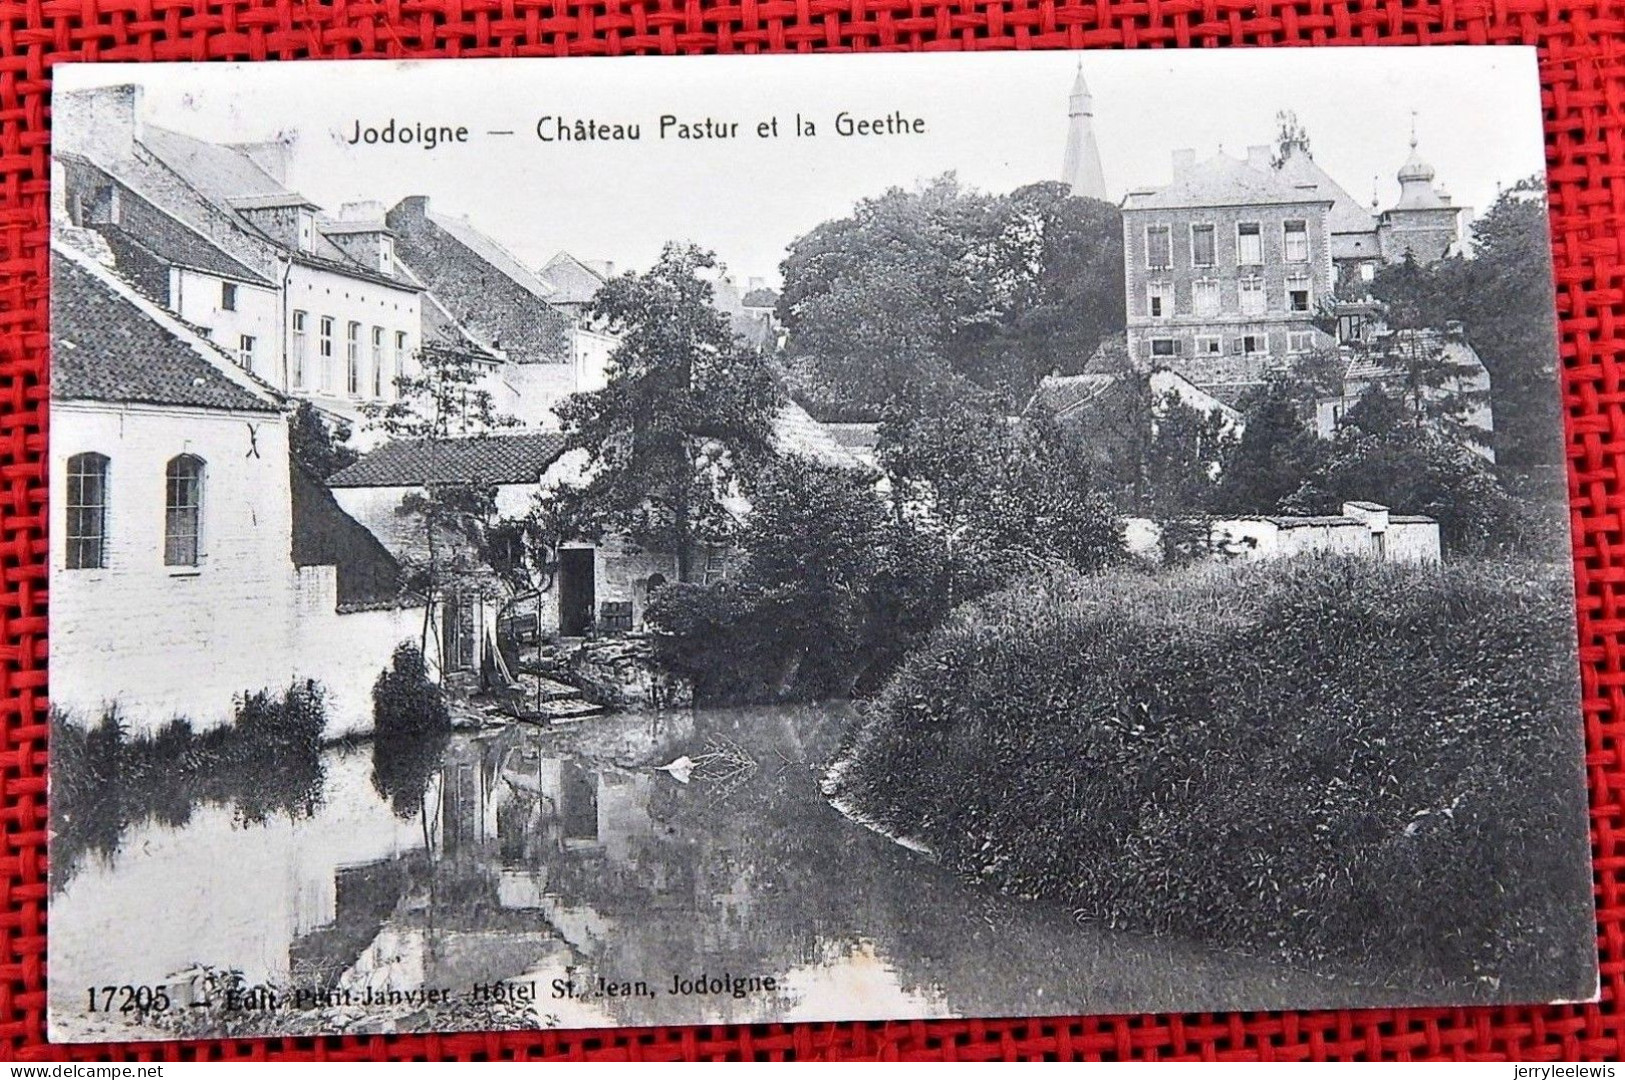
(531, 855)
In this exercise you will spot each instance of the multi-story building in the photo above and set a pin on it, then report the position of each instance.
(1224, 270)
(316, 307)
(187, 565)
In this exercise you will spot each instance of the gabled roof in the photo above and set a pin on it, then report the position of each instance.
(515, 458)
(796, 432)
(494, 253)
(170, 235)
(1347, 215)
(236, 185)
(1389, 360)
(573, 280)
(1224, 181)
(111, 344)
(441, 328)
(221, 173)
(324, 535)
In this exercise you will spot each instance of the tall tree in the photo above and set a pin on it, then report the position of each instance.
(1503, 296)
(949, 288)
(687, 408)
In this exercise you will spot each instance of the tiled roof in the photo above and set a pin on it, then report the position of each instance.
(761, 298)
(1388, 361)
(217, 171)
(573, 281)
(107, 347)
(179, 209)
(1059, 394)
(232, 181)
(1347, 215)
(1224, 181)
(515, 458)
(184, 248)
(493, 253)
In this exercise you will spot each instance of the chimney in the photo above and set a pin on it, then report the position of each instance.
(369, 210)
(1184, 162)
(408, 215)
(1258, 157)
(1454, 330)
(272, 155)
(103, 124)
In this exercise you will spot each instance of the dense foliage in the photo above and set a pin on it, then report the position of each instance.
(1503, 296)
(1273, 797)
(835, 581)
(944, 288)
(688, 408)
(405, 701)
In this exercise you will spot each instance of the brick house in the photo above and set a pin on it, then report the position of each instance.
(548, 351)
(181, 574)
(1224, 267)
(315, 307)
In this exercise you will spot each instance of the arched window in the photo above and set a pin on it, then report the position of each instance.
(183, 509)
(87, 511)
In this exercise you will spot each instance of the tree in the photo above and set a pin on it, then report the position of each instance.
(1291, 137)
(318, 443)
(978, 499)
(687, 410)
(947, 289)
(1414, 470)
(447, 397)
(1275, 454)
(1503, 297)
(796, 618)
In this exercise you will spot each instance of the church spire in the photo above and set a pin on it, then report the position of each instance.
(1081, 171)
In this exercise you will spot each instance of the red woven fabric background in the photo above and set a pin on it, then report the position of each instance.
(1582, 61)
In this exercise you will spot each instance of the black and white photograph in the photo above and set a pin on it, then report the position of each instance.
(576, 543)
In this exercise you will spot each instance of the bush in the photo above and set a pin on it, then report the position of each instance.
(1314, 759)
(405, 701)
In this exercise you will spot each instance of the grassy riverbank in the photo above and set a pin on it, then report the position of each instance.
(1315, 759)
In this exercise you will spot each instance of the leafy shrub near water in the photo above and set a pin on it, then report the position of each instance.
(1313, 759)
(106, 777)
(405, 701)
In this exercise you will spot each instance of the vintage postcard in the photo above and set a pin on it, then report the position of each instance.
(606, 542)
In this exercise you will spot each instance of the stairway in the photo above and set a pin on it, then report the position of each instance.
(538, 699)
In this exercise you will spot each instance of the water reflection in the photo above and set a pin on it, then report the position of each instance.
(535, 855)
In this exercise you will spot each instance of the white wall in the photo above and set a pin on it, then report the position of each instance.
(165, 641)
(345, 299)
(172, 640)
(196, 298)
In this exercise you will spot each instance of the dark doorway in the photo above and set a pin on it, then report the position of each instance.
(575, 591)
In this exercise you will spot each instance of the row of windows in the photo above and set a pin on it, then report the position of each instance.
(1204, 244)
(1298, 341)
(368, 371)
(87, 499)
(1250, 296)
